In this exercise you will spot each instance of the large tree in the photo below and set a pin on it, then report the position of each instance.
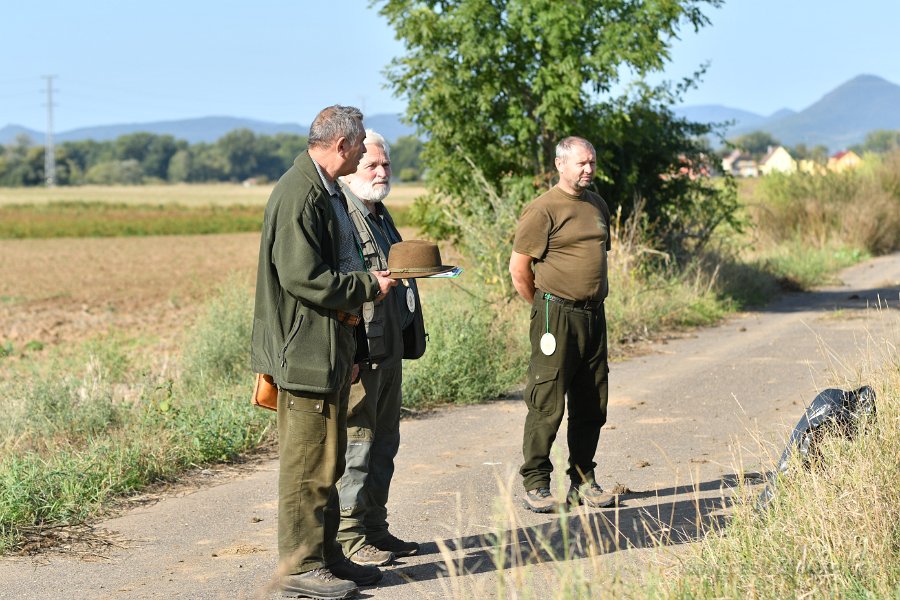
(494, 85)
(502, 81)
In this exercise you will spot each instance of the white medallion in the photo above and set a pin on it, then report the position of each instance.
(548, 344)
(368, 310)
(410, 300)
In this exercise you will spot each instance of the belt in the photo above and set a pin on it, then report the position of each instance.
(348, 318)
(579, 304)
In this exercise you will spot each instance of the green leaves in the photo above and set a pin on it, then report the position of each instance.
(494, 85)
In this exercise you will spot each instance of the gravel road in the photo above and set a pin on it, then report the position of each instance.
(685, 422)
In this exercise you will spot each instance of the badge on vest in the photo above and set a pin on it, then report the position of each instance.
(368, 311)
(410, 300)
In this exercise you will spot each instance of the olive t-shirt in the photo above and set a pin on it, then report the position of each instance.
(568, 236)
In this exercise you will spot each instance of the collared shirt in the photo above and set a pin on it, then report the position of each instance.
(350, 256)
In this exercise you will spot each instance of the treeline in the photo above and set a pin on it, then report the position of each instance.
(151, 158)
(757, 144)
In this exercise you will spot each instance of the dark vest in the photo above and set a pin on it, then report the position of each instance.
(392, 315)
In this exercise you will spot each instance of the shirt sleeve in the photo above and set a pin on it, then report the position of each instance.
(532, 232)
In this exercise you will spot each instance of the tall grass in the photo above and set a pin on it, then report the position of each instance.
(831, 532)
(856, 209)
(475, 350)
(84, 428)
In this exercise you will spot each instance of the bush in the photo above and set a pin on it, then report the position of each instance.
(853, 209)
(473, 352)
(218, 346)
(115, 171)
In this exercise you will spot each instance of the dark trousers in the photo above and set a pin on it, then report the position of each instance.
(312, 441)
(578, 371)
(373, 438)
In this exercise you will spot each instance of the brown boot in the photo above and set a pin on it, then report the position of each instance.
(539, 500)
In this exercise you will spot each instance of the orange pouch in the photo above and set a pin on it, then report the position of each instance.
(265, 394)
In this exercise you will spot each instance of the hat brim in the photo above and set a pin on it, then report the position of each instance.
(417, 273)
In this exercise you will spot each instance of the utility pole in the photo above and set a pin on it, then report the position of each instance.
(49, 151)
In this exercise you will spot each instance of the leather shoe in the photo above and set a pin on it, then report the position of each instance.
(591, 495)
(539, 500)
(358, 574)
(395, 545)
(318, 583)
(371, 556)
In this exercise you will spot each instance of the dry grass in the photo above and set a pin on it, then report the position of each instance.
(189, 195)
(831, 532)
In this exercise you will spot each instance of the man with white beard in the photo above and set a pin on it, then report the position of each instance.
(394, 330)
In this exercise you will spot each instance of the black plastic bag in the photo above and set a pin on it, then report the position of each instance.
(832, 412)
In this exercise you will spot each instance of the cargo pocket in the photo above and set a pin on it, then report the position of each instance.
(542, 383)
(307, 419)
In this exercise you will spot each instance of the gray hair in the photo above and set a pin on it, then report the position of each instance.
(566, 145)
(333, 123)
(376, 139)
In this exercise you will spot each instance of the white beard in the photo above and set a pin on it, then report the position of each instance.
(370, 192)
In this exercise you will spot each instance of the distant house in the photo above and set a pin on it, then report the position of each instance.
(689, 168)
(841, 161)
(810, 166)
(740, 164)
(777, 159)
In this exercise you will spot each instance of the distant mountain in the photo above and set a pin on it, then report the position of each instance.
(842, 117)
(390, 126)
(838, 120)
(716, 113)
(205, 129)
(10, 132)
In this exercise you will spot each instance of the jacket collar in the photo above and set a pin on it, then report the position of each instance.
(305, 165)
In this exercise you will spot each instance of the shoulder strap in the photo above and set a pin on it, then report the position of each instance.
(370, 251)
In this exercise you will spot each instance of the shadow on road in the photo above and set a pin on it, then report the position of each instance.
(582, 533)
(829, 300)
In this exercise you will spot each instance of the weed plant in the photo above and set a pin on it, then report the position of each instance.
(476, 350)
(84, 430)
(830, 532)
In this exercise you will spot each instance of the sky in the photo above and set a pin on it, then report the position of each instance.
(123, 61)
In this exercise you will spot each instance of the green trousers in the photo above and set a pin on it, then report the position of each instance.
(577, 372)
(373, 438)
(312, 441)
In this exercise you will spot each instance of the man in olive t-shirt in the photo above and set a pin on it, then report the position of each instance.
(558, 264)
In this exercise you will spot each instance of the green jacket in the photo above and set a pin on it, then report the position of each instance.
(298, 286)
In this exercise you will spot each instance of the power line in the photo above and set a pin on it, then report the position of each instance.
(49, 151)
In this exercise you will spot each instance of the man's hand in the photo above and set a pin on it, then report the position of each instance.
(385, 283)
(354, 373)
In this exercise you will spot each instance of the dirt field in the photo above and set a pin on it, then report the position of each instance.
(61, 290)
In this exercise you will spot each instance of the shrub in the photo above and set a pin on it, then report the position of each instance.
(472, 352)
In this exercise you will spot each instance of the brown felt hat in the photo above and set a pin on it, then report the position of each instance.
(415, 258)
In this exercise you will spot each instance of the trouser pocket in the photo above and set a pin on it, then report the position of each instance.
(307, 419)
(541, 389)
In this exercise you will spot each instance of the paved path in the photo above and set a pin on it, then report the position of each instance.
(683, 423)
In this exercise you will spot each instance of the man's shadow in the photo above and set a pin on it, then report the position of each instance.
(581, 533)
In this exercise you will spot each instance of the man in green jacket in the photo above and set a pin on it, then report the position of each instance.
(311, 284)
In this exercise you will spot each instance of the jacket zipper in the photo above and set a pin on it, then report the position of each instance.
(287, 342)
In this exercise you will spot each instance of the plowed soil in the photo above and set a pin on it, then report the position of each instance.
(63, 290)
